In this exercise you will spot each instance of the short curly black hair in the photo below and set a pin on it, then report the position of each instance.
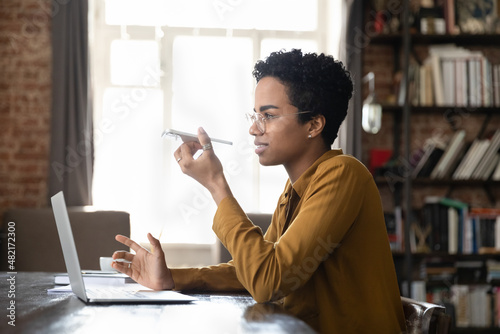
(316, 83)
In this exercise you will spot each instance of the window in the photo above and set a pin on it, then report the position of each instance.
(181, 64)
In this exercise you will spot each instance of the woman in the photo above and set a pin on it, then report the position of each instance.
(326, 255)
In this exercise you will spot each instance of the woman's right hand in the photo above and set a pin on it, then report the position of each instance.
(145, 267)
(206, 169)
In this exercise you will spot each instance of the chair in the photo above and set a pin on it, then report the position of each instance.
(37, 243)
(425, 318)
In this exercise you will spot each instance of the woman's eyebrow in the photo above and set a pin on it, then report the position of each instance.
(266, 107)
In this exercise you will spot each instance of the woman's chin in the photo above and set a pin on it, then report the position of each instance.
(266, 162)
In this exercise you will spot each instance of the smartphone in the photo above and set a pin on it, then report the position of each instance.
(187, 137)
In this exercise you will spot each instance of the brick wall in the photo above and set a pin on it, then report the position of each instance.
(25, 100)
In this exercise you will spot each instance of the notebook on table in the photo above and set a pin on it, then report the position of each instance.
(101, 294)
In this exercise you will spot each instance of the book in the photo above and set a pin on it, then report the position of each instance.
(486, 224)
(486, 82)
(472, 148)
(497, 233)
(461, 96)
(426, 153)
(435, 215)
(496, 173)
(453, 222)
(471, 160)
(422, 89)
(436, 150)
(437, 75)
(455, 160)
(490, 167)
(427, 81)
(96, 277)
(413, 79)
(459, 295)
(496, 84)
(472, 82)
(492, 270)
(480, 315)
(450, 156)
(491, 151)
(449, 80)
(457, 212)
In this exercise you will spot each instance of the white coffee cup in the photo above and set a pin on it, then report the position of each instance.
(105, 263)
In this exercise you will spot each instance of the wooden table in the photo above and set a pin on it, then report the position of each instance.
(36, 311)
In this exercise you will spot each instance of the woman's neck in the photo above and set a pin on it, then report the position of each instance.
(296, 170)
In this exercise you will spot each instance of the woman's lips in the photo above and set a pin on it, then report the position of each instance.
(260, 148)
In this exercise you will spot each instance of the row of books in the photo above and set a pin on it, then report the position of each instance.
(458, 160)
(447, 226)
(455, 76)
(458, 285)
(493, 271)
(439, 271)
(475, 305)
(452, 227)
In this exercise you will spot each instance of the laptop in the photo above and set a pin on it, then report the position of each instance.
(101, 294)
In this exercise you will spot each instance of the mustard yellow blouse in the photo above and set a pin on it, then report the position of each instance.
(328, 262)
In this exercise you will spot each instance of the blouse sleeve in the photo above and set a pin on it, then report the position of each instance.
(221, 277)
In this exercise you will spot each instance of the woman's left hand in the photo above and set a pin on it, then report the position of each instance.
(206, 169)
(146, 268)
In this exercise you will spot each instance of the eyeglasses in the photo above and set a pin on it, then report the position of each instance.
(261, 120)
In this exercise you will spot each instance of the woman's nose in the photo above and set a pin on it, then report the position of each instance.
(254, 130)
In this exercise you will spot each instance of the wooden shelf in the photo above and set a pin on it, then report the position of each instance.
(450, 257)
(442, 109)
(439, 182)
(475, 330)
(462, 39)
(449, 182)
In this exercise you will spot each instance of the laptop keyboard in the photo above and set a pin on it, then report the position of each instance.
(113, 293)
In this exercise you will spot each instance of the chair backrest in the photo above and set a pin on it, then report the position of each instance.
(38, 243)
(425, 318)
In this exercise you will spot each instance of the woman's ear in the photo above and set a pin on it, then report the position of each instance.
(317, 124)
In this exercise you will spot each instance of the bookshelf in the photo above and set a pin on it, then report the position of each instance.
(406, 125)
